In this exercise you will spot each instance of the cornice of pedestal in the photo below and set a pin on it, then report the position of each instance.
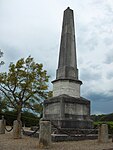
(70, 80)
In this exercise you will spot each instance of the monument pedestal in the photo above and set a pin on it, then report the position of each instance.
(68, 112)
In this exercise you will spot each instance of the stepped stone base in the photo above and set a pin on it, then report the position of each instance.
(64, 137)
(68, 112)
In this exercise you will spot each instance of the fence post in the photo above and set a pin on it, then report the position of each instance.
(2, 125)
(45, 134)
(103, 133)
(17, 129)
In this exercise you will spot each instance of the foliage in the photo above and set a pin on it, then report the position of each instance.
(28, 118)
(50, 94)
(10, 116)
(109, 123)
(3, 104)
(108, 117)
(25, 85)
(1, 54)
(102, 117)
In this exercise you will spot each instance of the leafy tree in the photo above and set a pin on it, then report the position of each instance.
(25, 85)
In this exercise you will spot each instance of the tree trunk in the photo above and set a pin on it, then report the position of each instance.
(19, 113)
(17, 125)
(19, 116)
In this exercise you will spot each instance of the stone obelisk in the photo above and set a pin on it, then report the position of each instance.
(67, 109)
(67, 73)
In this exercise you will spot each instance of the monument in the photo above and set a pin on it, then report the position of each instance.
(67, 109)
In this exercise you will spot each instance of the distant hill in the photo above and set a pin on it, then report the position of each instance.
(103, 117)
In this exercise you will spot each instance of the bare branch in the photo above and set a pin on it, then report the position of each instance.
(13, 93)
(5, 88)
(7, 97)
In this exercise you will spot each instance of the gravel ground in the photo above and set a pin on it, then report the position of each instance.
(27, 143)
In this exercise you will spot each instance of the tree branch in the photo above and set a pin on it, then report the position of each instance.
(13, 92)
(7, 97)
(5, 88)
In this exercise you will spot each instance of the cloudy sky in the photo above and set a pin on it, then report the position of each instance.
(33, 27)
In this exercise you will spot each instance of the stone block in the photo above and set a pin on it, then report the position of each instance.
(2, 126)
(45, 134)
(17, 129)
(103, 133)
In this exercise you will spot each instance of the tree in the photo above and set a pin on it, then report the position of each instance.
(1, 54)
(25, 85)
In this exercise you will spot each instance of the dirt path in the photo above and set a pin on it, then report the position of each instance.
(28, 143)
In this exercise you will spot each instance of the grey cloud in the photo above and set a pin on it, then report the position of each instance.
(87, 38)
(11, 53)
(109, 75)
(81, 36)
(100, 97)
(101, 102)
(92, 43)
(88, 75)
(109, 58)
(95, 66)
(108, 41)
